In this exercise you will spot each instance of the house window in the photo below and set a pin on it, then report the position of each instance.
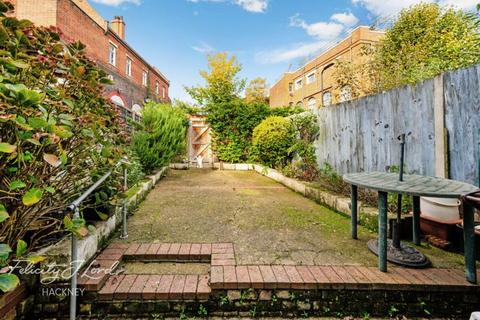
(164, 92)
(112, 54)
(290, 87)
(298, 84)
(327, 99)
(144, 78)
(157, 88)
(128, 70)
(312, 103)
(311, 78)
(345, 93)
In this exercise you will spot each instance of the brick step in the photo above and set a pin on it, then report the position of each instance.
(335, 277)
(156, 287)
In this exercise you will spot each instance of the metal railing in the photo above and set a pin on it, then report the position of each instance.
(75, 208)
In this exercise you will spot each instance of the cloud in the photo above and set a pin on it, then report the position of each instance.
(256, 6)
(116, 3)
(388, 8)
(203, 48)
(347, 19)
(295, 51)
(320, 30)
(325, 33)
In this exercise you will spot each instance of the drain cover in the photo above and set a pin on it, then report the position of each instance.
(405, 255)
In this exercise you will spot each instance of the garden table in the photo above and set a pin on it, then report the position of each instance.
(416, 186)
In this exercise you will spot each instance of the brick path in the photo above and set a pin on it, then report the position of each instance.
(226, 274)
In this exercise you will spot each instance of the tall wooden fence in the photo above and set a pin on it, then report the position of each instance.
(440, 117)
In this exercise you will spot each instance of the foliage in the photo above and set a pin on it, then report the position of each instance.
(232, 125)
(257, 91)
(304, 164)
(222, 83)
(425, 41)
(186, 107)
(392, 203)
(286, 111)
(358, 75)
(272, 140)
(57, 131)
(134, 169)
(161, 135)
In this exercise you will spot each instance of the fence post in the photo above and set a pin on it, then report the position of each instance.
(74, 266)
(124, 234)
(441, 147)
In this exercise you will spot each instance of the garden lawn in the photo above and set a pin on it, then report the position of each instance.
(268, 223)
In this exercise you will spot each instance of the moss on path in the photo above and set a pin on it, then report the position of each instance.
(267, 222)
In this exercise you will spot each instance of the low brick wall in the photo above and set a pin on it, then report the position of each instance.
(253, 303)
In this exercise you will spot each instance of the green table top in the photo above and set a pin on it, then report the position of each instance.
(415, 185)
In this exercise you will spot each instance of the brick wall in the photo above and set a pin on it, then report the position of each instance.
(78, 21)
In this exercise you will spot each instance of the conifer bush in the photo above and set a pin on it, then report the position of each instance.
(161, 135)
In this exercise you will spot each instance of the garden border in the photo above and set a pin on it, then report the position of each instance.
(59, 252)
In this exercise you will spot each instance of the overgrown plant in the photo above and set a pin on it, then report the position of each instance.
(232, 125)
(161, 135)
(57, 132)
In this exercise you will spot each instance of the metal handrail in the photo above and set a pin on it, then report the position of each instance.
(75, 207)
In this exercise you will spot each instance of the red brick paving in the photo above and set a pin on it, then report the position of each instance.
(225, 274)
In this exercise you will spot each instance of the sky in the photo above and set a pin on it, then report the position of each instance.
(268, 37)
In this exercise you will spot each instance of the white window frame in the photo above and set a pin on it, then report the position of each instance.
(144, 78)
(311, 74)
(157, 88)
(298, 84)
(129, 66)
(345, 93)
(112, 53)
(312, 104)
(164, 92)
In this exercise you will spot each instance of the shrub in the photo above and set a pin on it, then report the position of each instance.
(57, 132)
(161, 135)
(286, 111)
(232, 127)
(273, 139)
(304, 164)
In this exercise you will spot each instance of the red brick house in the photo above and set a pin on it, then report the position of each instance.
(135, 80)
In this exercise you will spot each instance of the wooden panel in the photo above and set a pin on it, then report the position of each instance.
(462, 120)
(361, 135)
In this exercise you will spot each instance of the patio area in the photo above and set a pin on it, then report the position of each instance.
(266, 222)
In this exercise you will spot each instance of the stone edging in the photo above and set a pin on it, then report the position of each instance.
(59, 253)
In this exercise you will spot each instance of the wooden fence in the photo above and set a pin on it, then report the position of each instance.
(440, 117)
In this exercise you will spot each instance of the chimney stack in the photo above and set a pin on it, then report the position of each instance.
(118, 26)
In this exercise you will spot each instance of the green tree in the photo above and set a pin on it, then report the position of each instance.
(222, 82)
(232, 125)
(161, 136)
(257, 91)
(425, 41)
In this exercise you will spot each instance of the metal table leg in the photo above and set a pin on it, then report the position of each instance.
(382, 231)
(354, 211)
(416, 220)
(469, 242)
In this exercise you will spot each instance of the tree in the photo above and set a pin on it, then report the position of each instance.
(425, 41)
(222, 83)
(257, 91)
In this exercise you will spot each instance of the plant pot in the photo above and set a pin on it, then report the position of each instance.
(444, 230)
(440, 209)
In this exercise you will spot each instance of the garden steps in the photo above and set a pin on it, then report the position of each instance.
(225, 274)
